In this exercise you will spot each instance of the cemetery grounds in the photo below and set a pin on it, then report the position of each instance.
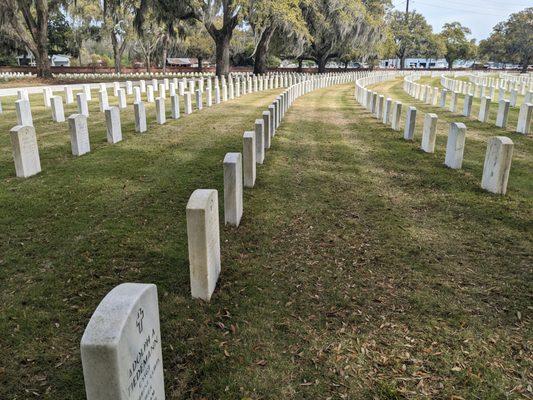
(362, 268)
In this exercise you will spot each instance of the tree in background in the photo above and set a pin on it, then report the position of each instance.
(432, 47)
(494, 47)
(198, 43)
(511, 40)
(27, 21)
(60, 35)
(458, 47)
(338, 27)
(147, 40)
(10, 47)
(118, 19)
(409, 31)
(219, 17)
(242, 48)
(268, 17)
(85, 17)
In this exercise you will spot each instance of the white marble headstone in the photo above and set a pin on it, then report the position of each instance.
(114, 128)
(23, 109)
(25, 151)
(79, 134)
(203, 237)
(233, 189)
(140, 116)
(121, 346)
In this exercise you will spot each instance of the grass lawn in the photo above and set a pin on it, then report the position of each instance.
(363, 268)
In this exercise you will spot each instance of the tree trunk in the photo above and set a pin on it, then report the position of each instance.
(41, 36)
(449, 61)
(261, 52)
(525, 64)
(322, 61)
(43, 63)
(116, 52)
(118, 66)
(200, 63)
(346, 64)
(165, 51)
(148, 64)
(402, 62)
(300, 65)
(222, 53)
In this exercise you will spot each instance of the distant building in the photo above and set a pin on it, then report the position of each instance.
(182, 62)
(418, 63)
(60, 60)
(56, 60)
(26, 60)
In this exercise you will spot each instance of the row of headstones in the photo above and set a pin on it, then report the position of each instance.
(148, 75)
(499, 149)
(250, 83)
(121, 345)
(23, 136)
(480, 90)
(135, 75)
(6, 76)
(434, 96)
(521, 82)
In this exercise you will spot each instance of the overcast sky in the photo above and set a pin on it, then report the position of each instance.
(479, 15)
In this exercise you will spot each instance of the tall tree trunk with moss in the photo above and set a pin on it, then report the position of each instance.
(39, 33)
(165, 51)
(28, 21)
(148, 62)
(450, 62)
(525, 64)
(401, 56)
(222, 36)
(321, 62)
(41, 58)
(116, 52)
(222, 40)
(261, 52)
(118, 49)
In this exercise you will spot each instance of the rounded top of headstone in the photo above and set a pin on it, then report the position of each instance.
(459, 125)
(108, 320)
(232, 158)
(502, 139)
(201, 198)
(22, 129)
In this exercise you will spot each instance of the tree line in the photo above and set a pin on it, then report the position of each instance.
(258, 33)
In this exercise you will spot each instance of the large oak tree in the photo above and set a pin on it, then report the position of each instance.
(458, 47)
(27, 20)
(511, 40)
(340, 26)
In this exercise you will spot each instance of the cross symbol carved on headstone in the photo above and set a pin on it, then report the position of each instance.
(140, 317)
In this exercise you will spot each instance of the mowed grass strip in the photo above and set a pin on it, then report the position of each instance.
(363, 268)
